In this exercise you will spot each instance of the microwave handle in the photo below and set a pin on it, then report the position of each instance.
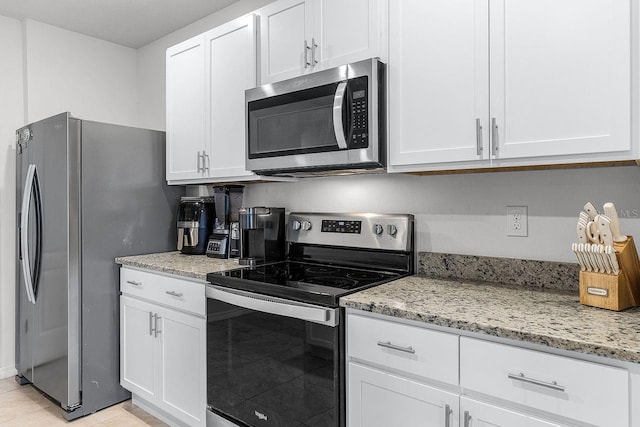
(338, 105)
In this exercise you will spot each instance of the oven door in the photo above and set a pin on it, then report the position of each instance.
(321, 121)
(273, 362)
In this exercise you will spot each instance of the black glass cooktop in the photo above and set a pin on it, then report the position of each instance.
(307, 282)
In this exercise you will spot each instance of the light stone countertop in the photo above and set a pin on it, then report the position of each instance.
(193, 266)
(538, 316)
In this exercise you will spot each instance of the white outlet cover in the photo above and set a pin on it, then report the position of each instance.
(517, 220)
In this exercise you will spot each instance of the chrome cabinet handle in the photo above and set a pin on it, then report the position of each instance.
(521, 377)
(151, 323)
(174, 293)
(306, 54)
(314, 46)
(205, 161)
(447, 413)
(199, 157)
(467, 418)
(478, 137)
(388, 344)
(494, 136)
(134, 283)
(156, 331)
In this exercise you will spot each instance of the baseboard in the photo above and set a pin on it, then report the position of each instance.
(7, 371)
(156, 412)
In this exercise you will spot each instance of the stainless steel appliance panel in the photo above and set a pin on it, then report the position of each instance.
(127, 208)
(315, 123)
(54, 329)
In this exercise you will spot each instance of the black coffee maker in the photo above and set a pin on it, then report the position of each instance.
(262, 235)
(225, 238)
(196, 218)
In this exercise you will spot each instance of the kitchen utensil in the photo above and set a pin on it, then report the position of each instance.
(604, 229)
(593, 233)
(613, 259)
(582, 231)
(612, 213)
(591, 210)
(574, 248)
(605, 259)
(585, 256)
(596, 256)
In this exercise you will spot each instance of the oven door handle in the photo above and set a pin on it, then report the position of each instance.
(273, 305)
(338, 103)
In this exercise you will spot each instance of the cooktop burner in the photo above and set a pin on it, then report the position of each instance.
(310, 282)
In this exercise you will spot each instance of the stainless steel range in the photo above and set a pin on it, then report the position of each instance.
(275, 331)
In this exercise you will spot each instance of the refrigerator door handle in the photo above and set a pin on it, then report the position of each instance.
(31, 187)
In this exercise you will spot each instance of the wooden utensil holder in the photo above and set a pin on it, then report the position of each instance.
(610, 291)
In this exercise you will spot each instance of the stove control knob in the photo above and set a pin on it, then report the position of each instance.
(377, 229)
(392, 230)
(296, 225)
(306, 225)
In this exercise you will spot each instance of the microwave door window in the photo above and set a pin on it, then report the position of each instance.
(301, 122)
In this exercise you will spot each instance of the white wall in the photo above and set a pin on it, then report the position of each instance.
(466, 214)
(12, 114)
(91, 78)
(44, 71)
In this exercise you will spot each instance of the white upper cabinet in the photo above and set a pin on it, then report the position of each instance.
(206, 80)
(439, 81)
(505, 83)
(186, 139)
(560, 76)
(231, 69)
(301, 36)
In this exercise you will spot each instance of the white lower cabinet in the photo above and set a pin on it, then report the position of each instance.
(408, 375)
(381, 399)
(478, 414)
(163, 348)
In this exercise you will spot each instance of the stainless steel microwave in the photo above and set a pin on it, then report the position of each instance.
(328, 121)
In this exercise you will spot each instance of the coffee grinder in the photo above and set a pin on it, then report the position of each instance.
(262, 235)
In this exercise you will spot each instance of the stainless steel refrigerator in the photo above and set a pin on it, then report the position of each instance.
(87, 192)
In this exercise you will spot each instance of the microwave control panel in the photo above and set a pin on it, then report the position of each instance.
(359, 132)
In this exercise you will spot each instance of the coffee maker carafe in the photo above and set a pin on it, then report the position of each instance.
(196, 217)
(262, 235)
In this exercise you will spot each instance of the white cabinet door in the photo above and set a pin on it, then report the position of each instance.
(379, 399)
(560, 76)
(348, 31)
(286, 28)
(438, 81)
(182, 366)
(137, 348)
(478, 414)
(185, 109)
(231, 69)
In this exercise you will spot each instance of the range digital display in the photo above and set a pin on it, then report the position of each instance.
(340, 226)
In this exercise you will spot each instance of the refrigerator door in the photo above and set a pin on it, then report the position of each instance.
(53, 332)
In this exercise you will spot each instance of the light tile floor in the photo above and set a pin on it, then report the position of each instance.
(24, 406)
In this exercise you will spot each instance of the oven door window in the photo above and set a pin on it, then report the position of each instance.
(295, 123)
(271, 370)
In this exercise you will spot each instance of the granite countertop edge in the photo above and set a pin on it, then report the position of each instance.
(392, 300)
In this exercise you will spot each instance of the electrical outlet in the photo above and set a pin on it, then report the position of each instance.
(517, 221)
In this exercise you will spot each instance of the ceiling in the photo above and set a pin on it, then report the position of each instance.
(131, 23)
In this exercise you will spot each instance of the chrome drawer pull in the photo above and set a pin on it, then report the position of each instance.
(134, 283)
(174, 293)
(520, 377)
(447, 413)
(396, 347)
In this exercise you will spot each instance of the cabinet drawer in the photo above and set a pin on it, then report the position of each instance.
(583, 391)
(138, 283)
(182, 294)
(411, 349)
